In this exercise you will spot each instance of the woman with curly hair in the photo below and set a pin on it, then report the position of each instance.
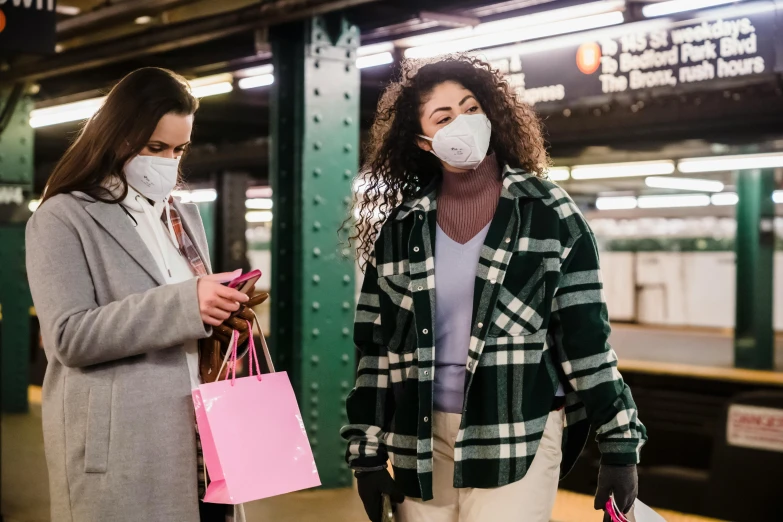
(481, 325)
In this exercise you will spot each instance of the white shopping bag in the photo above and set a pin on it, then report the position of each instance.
(641, 512)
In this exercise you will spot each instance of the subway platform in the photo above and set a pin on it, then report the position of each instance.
(640, 350)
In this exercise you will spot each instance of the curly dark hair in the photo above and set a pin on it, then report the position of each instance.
(396, 169)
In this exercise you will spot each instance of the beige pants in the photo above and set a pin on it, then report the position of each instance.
(528, 500)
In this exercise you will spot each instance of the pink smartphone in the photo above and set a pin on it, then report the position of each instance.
(245, 283)
(614, 512)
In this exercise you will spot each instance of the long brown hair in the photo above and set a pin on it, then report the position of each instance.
(118, 131)
(396, 169)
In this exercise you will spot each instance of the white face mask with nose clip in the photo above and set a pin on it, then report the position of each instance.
(152, 177)
(155, 178)
(464, 142)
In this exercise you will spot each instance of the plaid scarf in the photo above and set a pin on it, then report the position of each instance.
(189, 252)
(186, 246)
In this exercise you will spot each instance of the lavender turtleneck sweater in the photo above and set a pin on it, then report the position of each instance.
(466, 204)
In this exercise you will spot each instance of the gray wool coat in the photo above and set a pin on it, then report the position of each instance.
(118, 418)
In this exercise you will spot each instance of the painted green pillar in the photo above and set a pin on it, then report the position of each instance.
(16, 183)
(754, 337)
(314, 156)
(207, 211)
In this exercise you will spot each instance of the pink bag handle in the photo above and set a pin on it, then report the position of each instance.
(252, 355)
(233, 361)
(231, 353)
(252, 351)
(267, 357)
(614, 512)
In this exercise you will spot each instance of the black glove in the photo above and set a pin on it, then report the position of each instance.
(620, 481)
(372, 486)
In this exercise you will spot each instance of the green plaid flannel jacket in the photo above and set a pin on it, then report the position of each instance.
(539, 318)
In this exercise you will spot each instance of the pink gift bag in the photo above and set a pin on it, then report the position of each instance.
(254, 440)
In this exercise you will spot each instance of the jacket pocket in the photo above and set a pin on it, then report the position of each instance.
(96, 451)
(522, 306)
(396, 301)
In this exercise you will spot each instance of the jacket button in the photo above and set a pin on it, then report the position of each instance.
(426, 372)
(420, 288)
(480, 325)
(415, 249)
(508, 240)
(425, 331)
(426, 419)
(421, 218)
(492, 281)
(470, 365)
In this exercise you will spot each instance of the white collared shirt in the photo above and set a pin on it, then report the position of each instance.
(171, 263)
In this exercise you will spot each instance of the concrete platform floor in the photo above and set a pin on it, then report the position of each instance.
(25, 495)
(694, 346)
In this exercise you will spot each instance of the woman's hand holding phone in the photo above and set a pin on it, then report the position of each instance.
(216, 301)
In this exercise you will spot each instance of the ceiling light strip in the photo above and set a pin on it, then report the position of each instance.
(516, 35)
(691, 184)
(730, 163)
(622, 170)
(680, 6)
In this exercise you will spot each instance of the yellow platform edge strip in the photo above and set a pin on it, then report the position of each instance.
(702, 372)
(575, 507)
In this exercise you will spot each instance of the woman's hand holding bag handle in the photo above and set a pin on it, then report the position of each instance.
(238, 321)
(215, 348)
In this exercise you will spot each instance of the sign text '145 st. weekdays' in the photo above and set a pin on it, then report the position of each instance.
(642, 56)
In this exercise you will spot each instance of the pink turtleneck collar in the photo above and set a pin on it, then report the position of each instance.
(467, 201)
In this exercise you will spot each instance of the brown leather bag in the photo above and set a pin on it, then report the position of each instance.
(213, 349)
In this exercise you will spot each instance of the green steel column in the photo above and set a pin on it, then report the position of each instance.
(753, 335)
(16, 174)
(207, 211)
(314, 156)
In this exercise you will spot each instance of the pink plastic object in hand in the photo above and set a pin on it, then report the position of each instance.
(253, 436)
(614, 512)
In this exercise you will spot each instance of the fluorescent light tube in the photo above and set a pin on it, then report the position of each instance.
(258, 192)
(512, 24)
(373, 60)
(559, 173)
(512, 36)
(196, 196)
(211, 85)
(622, 170)
(259, 204)
(253, 82)
(267, 68)
(34, 204)
(695, 185)
(81, 110)
(676, 201)
(615, 203)
(728, 163)
(67, 10)
(724, 199)
(680, 6)
(258, 216)
(777, 196)
(211, 90)
(383, 47)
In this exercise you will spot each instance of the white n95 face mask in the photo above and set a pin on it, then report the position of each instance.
(153, 177)
(464, 142)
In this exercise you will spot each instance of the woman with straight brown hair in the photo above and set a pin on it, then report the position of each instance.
(118, 270)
